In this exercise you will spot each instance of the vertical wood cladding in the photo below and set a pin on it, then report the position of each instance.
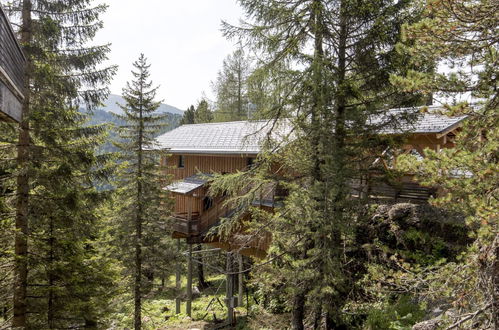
(193, 164)
(12, 64)
(11, 58)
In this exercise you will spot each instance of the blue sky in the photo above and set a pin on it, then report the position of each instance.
(181, 39)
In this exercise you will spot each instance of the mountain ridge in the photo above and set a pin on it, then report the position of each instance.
(109, 105)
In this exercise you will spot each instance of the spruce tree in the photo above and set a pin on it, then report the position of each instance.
(340, 55)
(203, 113)
(59, 284)
(144, 207)
(188, 116)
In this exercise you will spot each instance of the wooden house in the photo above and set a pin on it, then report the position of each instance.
(198, 150)
(12, 63)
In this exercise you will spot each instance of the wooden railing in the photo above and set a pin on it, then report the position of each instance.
(396, 192)
(186, 224)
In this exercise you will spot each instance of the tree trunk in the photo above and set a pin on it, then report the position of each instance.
(495, 293)
(298, 311)
(138, 230)
(317, 317)
(51, 298)
(22, 206)
(200, 269)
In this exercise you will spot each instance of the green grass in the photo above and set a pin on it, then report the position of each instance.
(158, 310)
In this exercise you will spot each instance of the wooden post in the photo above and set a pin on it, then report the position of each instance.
(240, 281)
(177, 282)
(189, 216)
(229, 290)
(188, 305)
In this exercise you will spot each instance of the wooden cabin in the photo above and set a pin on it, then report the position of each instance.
(198, 150)
(12, 63)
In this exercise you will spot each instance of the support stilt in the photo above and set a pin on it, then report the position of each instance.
(188, 305)
(240, 293)
(230, 290)
(177, 282)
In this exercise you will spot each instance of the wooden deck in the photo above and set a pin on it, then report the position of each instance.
(12, 63)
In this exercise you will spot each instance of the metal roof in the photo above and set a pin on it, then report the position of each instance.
(188, 184)
(237, 137)
(247, 137)
(426, 122)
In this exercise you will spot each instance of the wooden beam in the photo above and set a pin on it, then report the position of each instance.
(449, 129)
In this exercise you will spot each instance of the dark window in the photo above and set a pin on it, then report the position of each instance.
(249, 161)
(207, 203)
(181, 161)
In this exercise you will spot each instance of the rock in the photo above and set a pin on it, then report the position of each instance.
(195, 292)
(400, 211)
(426, 325)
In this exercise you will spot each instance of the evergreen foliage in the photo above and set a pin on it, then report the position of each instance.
(188, 117)
(462, 35)
(61, 281)
(336, 59)
(143, 207)
(231, 88)
(203, 114)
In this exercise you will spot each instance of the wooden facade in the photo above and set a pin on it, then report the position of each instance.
(195, 215)
(12, 65)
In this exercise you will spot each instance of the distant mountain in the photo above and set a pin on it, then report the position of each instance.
(111, 106)
(103, 115)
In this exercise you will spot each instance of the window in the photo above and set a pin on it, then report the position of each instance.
(181, 161)
(249, 161)
(207, 203)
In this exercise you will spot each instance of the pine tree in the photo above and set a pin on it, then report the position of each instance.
(463, 34)
(231, 88)
(143, 210)
(188, 116)
(203, 113)
(56, 167)
(343, 52)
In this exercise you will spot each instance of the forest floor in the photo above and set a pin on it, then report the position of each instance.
(208, 311)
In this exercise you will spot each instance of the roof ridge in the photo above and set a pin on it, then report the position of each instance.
(227, 122)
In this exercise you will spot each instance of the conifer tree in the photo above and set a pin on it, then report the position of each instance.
(462, 34)
(56, 167)
(144, 208)
(341, 54)
(188, 116)
(231, 88)
(203, 113)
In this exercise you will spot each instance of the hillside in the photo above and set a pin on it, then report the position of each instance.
(110, 105)
(105, 116)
